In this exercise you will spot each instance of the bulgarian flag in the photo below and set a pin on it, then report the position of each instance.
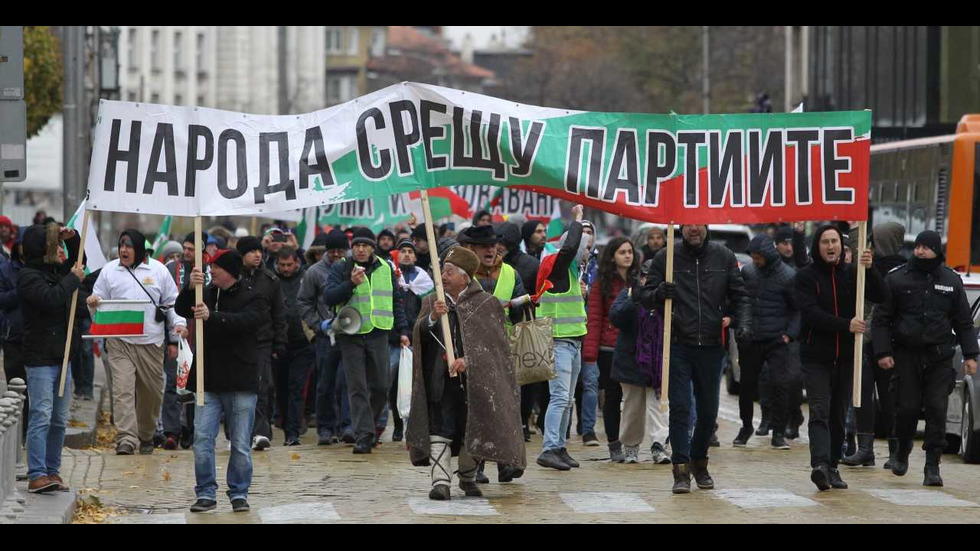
(118, 318)
(307, 228)
(444, 203)
(555, 226)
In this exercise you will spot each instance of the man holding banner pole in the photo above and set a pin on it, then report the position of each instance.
(137, 360)
(826, 291)
(706, 276)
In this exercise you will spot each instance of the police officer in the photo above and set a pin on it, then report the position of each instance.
(913, 334)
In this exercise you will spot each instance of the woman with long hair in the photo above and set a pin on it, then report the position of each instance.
(618, 266)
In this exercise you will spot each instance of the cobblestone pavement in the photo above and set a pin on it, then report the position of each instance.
(329, 484)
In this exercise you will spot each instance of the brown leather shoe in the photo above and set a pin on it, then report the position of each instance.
(62, 487)
(42, 485)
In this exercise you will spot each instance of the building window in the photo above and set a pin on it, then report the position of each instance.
(378, 38)
(155, 98)
(155, 50)
(132, 98)
(131, 48)
(335, 40)
(353, 38)
(178, 51)
(200, 101)
(200, 52)
(178, 99)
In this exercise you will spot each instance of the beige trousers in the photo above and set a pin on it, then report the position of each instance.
(639, 403)
(137, 389)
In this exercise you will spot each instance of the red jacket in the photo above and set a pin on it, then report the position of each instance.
(601, 331)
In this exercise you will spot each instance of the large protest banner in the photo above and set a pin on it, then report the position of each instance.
(748, 168)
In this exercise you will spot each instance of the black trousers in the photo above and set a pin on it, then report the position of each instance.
(794, 372)
(874, 378)
(920, 381)
(263, 405)
(293, 369)
(751, 358)
(612, 396)
(828, 388)
(366, 360)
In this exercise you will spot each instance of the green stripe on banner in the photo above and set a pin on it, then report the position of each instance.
(118, 316)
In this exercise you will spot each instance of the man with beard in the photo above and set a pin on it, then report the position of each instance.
(706, 277)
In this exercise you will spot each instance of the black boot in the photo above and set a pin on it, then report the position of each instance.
(482, 478)
(932, 478)
(865, 456)
(765, 425)
(850, 445)
(682, 478)
(699, 468)
(820, 476)
(892, 449)
(399, 432)
(900, 463)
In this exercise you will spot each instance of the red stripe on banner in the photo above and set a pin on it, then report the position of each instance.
(116, 329)
(671, 207)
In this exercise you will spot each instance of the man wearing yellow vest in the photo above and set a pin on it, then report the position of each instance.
(565, 305)
(368, 284)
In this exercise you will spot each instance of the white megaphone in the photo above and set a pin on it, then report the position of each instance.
(348, 320)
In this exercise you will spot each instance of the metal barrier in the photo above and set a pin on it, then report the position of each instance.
(11, 447)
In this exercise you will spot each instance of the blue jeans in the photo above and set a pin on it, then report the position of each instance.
(396, 354)
(568, 364)
(590, 396)
(48, 420)
(698, 367)
(239, 410)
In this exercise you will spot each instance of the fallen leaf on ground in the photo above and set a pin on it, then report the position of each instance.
(166, 475)
(295, 457)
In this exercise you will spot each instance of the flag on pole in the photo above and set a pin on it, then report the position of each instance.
(162, 236)
(95, 258)
(118, 318)
(444, 203)
(555, 226)
(306, 230)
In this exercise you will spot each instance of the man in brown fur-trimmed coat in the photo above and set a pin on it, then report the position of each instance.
(472, 408)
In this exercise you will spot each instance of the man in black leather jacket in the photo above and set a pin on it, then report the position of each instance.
(706, 275)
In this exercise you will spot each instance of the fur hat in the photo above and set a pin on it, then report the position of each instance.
(464, 259)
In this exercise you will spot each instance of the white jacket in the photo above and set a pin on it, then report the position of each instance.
(116, 283)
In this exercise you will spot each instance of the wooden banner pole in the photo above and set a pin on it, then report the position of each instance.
(859, 313)
(74, 304)
(199, 323)
(668, 317)
(437, 275)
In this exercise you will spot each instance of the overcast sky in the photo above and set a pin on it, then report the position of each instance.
(481, 35)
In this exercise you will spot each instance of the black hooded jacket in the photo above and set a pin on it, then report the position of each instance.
(772, 293)
(826, 294)
(706, 278)
(923, 309)
(45, 288)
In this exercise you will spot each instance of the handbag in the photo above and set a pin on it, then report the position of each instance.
(533, 347)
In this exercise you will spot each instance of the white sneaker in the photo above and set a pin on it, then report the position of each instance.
(260, 443)
(632, 454)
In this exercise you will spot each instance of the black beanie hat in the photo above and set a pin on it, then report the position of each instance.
(336, 239)
(419, 232)
(509, 233)
(229, 260)
(931, 240)
(248, 244)
(364, 236)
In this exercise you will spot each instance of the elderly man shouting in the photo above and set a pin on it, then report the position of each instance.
(470, 409)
